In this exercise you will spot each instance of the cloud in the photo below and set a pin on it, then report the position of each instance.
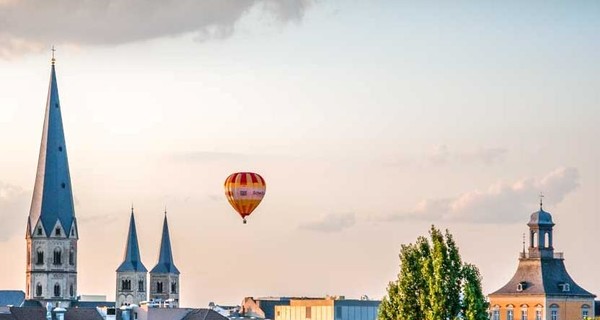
(14, 209)
(499, 203)
(30, 25)
(331, 223)
(441, 155)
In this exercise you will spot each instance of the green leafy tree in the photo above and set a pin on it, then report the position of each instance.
(434, 284)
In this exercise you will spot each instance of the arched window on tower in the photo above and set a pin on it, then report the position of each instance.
(57, 290)
(39, 257)
(57, 256)
(141, 286)
(38, 290)
(71, 257)
(547, 239)
(534, 237)
(173, 287)
(159, 287)
(71, 291)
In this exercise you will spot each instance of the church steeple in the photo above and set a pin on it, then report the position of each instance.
(52, 201)
(164, 277)
(131, 274)
(52, 234)
(132, 260)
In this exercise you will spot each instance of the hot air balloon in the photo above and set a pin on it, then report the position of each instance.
(244, 191)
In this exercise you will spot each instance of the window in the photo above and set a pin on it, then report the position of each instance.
(308, 313)
(159, 287)
(38, 290)
(57, 290)
(554, 314)
(71, 291)
(585, 311)
(57, 257)
(141, 286)
(39, 231)
(173, 287)
(72, 257)
(40, 257)
(57, 232)
(72, 232)
(510, 314)
(126, 285)
(524, 314)
(496, 314)
(538, 314)
(521, 286)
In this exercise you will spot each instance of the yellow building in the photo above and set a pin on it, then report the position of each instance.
(541, 287)
(330, 308)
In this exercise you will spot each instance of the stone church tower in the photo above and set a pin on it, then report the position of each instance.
(541, 288)
(52, 234)
(164, 277)
(131, 274)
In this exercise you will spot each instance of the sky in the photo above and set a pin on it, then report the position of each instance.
(369, 120)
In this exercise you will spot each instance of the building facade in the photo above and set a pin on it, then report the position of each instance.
(131, 274)
(52, 234)
(164, 277)
(329, 308)
(541, 288)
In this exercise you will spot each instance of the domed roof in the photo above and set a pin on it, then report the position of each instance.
(541, 218)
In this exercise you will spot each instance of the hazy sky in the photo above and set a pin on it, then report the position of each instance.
(369, 120)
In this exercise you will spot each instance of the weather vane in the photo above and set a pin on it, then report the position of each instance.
(53, 59)
(541, 200)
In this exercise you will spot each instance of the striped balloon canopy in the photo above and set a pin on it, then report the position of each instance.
(245, 191)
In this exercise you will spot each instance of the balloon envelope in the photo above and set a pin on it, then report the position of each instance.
(245, 191)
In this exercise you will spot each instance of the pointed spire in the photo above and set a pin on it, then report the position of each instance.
(132, 260)
(165, 260)
(52, 200)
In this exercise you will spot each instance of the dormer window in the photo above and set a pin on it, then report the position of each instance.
(57, 232)
(521, 286)
(39, 231)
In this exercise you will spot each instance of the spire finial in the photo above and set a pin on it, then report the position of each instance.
(165, 210)
(132, 207)
(53, 59)
(523, 242)
(541, 201)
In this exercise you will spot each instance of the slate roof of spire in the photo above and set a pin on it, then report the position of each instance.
(52, 196)
(165, 261)
(132, 260)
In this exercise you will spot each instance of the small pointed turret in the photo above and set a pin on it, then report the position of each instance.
(132, 260)
(165, 260)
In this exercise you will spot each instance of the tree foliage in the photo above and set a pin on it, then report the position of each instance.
(434, 284)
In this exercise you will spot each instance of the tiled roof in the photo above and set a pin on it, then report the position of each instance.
(83, 314)
(28, 313)
(204, 314)
(542, 277)
(11, 298)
